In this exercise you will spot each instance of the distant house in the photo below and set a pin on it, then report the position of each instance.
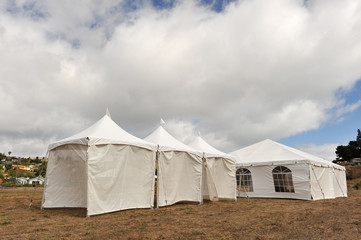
(356, 161)
(22, 180)
(32, 166)
(23, 167)
(37, 180)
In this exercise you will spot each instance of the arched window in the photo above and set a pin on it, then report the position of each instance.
(282, 178)
(244, 180)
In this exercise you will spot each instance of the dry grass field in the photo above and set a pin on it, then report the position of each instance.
(245, 219)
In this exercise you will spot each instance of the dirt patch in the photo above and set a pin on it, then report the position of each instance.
(245, 219)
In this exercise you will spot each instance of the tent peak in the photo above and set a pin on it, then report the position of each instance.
(161, 122)
(107, 112)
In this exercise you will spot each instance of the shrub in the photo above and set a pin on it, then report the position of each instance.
(8, 184)
(357, 186)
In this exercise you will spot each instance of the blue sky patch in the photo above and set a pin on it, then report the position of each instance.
(343, 131)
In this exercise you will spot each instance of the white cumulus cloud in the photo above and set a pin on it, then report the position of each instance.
(259, 69)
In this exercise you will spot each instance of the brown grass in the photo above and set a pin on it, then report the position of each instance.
(245, 219)
(353, 172)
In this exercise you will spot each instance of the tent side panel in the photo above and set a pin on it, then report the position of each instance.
(263, 184)
(223, 172)
(322, 182)
(66, 177)
(339, 183)
(180, 176)
(120, 177)
(209, 190)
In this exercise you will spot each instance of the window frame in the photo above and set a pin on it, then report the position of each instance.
(283, 180)
(244, 180)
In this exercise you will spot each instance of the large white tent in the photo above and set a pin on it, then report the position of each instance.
(272, 170)
(102, 169)
(179, 171)
(219, 171)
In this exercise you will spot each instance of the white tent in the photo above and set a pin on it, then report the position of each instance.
(272, 170)
(219, 172)
(179, 169)
(103, 169)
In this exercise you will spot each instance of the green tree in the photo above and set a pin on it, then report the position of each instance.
(352, 150)
(2, 175)
(41, 170)
(12, 172)
(8, 166)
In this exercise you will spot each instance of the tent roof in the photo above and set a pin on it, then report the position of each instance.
(104, 131)
(200, 144)
(167, 142)
(268, 152)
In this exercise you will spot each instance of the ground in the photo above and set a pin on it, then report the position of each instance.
(245, 219)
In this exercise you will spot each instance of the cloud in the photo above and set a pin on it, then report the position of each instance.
(256, 70)
(347, 108)
(325, 151)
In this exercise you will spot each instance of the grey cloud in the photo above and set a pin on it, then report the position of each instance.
(259, 69)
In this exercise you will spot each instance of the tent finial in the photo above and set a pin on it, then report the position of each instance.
(199, 133)
(161, 122)
(108, 113)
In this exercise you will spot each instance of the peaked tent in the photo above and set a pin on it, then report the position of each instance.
(219, 172)
(102, 168)
(179, 169)
(270, 169)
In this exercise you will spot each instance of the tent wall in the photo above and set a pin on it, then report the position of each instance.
(263, 184)
(209, 190)
(339, 183)
(179, 177)
(223, 172)
(321, 182)
(66, 178)
(120, 177)
(324, 183)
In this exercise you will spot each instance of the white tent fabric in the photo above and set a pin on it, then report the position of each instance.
(313, 178)
(103, 169)
(219, 172)
(179, 169)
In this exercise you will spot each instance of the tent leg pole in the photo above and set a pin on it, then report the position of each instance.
(202, 176)
(157, 167)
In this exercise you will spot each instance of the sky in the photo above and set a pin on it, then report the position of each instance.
(236, 71)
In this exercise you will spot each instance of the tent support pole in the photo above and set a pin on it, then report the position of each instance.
(333, 170)
(157, 169)
(245, 191)
(87, 177)
(202, 176)
(318, 182)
